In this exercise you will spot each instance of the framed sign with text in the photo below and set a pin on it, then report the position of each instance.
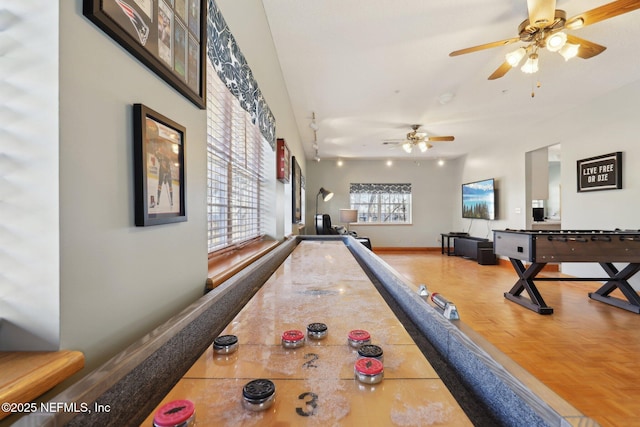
(168, 36)
(600, 172)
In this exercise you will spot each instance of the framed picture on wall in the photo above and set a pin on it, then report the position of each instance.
(159, 168)
(283, 161)
(600, 172)
(296, 191)
(168, 36)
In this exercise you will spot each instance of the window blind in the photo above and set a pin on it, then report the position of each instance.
(236, 169)
(381, 203)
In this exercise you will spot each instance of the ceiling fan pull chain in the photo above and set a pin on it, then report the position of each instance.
(533, 90)
(538, 85)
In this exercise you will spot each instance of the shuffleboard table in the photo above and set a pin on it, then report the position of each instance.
(320, 282)
(540, 247)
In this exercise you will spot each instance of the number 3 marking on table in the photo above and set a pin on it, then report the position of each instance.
(313, 403)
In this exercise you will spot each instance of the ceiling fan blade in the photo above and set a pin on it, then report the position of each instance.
(603, 12)
(440, 138)
(587, 49)
(500, 71)
(485, 46)
(541, 12)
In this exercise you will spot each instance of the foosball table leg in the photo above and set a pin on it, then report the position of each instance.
(535, 301)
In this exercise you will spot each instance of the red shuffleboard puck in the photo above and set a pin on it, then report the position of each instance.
(292, 339)
(369, 370)
(358, 337)
(178, 413)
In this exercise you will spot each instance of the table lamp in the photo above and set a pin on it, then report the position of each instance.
(348, 215)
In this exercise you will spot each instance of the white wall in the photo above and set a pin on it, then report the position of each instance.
(604, 126)
(435, 194)
(506, 164)
(118, 281)
(29, 238)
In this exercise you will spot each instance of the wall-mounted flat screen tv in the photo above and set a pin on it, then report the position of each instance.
(479, 199)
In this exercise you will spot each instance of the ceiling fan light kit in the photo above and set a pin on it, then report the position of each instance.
(543, 29)
(531, 66)
(569, 50)
(514, 58)
(556, 41)
(420, 140)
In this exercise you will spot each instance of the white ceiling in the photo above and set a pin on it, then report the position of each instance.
(369, 69)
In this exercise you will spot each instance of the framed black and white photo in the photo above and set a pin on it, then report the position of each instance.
(168, 36)
(159, 168)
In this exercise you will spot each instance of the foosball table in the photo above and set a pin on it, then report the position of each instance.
(540, 247)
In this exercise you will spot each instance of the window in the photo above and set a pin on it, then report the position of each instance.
(236, 153)
(381, 203)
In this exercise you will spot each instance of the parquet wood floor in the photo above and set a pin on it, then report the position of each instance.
(586, 351)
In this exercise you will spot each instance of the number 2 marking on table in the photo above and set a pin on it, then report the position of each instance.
(311, 403)
(310, 363)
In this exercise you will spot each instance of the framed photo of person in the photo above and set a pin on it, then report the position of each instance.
(159, 168)
(167, 36)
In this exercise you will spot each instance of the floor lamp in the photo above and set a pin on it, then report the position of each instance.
(326, 196)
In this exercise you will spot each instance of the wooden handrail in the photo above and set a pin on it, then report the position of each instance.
(223, 266)
(26, 375)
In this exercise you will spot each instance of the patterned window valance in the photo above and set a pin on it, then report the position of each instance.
(233, 70)
(380, 188)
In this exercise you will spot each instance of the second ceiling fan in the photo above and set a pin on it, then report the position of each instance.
(419, 139)
(544, 29)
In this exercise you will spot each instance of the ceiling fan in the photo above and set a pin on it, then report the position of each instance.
(543, 29)
(418, 139)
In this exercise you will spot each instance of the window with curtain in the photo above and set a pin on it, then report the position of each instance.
(381, 203)
(236, 153)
